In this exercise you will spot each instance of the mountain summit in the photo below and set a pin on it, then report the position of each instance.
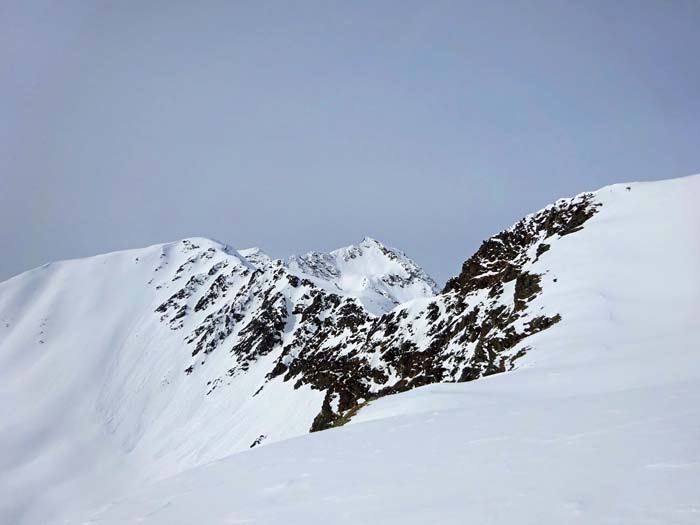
(378, 276)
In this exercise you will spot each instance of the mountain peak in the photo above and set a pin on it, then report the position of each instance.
(378, 276)
(370, 241)
(256, 256)
(205, 243)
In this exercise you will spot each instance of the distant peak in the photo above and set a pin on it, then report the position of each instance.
(370, 241)
(359, 249)
(256, 256)
(195, 243)
(379, 276)
(255, 250)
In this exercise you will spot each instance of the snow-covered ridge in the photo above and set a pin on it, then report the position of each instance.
(133, 366)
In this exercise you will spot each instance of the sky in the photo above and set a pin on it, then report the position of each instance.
(298, 126)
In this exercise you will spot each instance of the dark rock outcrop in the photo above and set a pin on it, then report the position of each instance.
(331, 343)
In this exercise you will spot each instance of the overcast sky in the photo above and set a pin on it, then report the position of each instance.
(308, 125)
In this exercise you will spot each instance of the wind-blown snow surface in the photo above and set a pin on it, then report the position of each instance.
(600, 423)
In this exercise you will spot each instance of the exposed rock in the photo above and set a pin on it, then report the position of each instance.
(313, 332)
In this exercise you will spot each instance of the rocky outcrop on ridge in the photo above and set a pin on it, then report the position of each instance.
(362, 322)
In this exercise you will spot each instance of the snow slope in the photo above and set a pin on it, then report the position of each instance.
(96, 386)
(483, 452)
(599, 424)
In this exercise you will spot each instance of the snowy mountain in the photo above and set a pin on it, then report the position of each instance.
(256, 257)
(129, 373)
(379, 277)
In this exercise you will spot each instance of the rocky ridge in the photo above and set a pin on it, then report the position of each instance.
(362, 322)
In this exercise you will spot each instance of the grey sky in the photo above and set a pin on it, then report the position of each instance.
(304, 125)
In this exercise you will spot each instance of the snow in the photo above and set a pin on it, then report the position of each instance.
(256, 256)
(378, 276)
(96, 384)
(478, 455)
(600, 423)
